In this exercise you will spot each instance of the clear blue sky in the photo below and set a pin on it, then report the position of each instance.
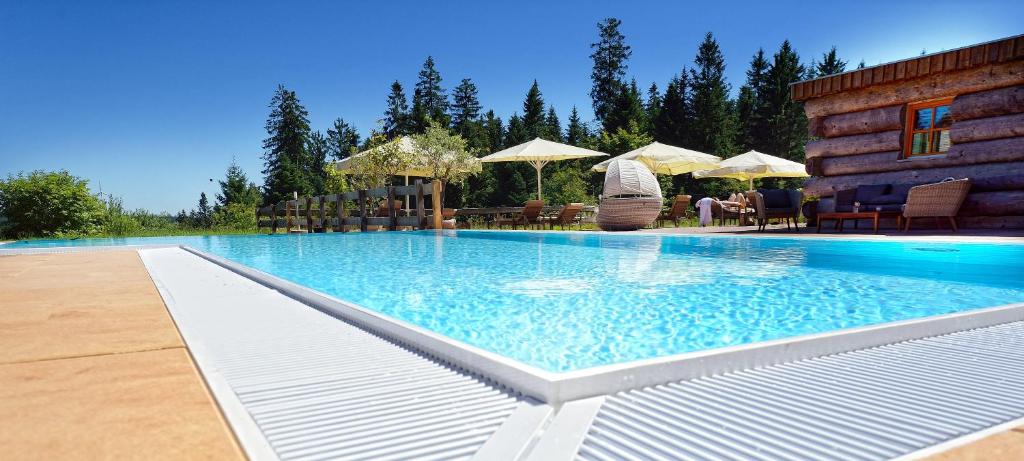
(150, 99)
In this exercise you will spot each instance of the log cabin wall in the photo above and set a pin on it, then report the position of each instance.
(859, 133)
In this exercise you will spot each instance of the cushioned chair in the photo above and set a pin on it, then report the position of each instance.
(777, 204)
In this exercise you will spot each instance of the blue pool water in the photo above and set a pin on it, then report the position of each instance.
(567, 301)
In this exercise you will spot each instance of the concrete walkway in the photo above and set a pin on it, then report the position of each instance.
(91, 365)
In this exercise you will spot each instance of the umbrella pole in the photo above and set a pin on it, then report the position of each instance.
(538, 165)
(751, 183)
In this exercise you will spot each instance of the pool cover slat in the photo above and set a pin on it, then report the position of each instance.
(320, 388)
(870, 404)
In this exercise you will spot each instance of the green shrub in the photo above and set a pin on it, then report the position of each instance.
(566, 186)
(43, 204)
(236, 216)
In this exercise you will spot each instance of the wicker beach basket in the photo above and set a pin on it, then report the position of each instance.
(631, 199)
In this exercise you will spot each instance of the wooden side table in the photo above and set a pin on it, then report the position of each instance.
(875, 216)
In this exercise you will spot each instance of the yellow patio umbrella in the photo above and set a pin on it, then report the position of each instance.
(753, 165)
(538, 153)
(665, 159)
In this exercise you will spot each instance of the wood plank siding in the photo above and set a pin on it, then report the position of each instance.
(998, 51)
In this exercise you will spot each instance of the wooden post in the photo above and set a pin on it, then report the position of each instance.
(362, 210)
(309, 214)
(273, 218)
(288, 217)
(392, 221)
(323, 215)
(339, 207)
(435, 200)
(420, 205)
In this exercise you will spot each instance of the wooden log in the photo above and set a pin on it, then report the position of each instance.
(856, 144)
(323, 213)
(990, 103)
(980, 129)
(339, 207)
(1005, 182)
(826, 186)
(991, 222)
(862, 122)
(999, 203)
(420, 205)
(945, 84)
(273, 216)
(362, 210)
(864, 163)
(816, 127)
(309, 214)
(435, 200)
(391, 209)
(991, 151)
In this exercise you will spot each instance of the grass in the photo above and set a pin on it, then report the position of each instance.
(163, 232)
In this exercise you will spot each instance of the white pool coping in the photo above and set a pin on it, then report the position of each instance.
(557, 388)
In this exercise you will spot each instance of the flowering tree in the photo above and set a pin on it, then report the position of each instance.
(376, 166)
(443, 155)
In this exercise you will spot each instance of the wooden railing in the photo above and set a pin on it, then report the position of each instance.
(323, 212)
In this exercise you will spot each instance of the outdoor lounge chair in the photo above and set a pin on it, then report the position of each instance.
(566, 216)
(679, 210)
(530, 216)
(939, 200)
(777, 204)
(727, 211)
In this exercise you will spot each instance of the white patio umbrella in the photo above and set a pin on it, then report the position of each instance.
(665, 159)
(753, 165)
(538, 153)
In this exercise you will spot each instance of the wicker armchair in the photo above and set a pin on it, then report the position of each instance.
(939, 200)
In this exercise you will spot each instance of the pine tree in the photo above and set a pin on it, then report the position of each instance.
(513, 179)
(577, 133)
(787, 122)
(318, 148)
(397, 120)
(830, 64)
(533, 114)
(628, 108)
(342, 139)
(285, 158)
(236, 188)
(711, 130)
(516, 132)
(552, 126)
(202, 216)
(495, 131)
(429, 101)
(609, 56)
(465, 107)
(675, 117)
(653, 104)
(752, 130)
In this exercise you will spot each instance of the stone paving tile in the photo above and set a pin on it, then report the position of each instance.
(92, 366)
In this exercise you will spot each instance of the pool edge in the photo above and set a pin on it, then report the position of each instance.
(556, 388)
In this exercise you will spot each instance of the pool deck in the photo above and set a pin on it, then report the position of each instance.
(92, 366)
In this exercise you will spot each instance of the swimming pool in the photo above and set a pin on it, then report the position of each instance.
(571, 301)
